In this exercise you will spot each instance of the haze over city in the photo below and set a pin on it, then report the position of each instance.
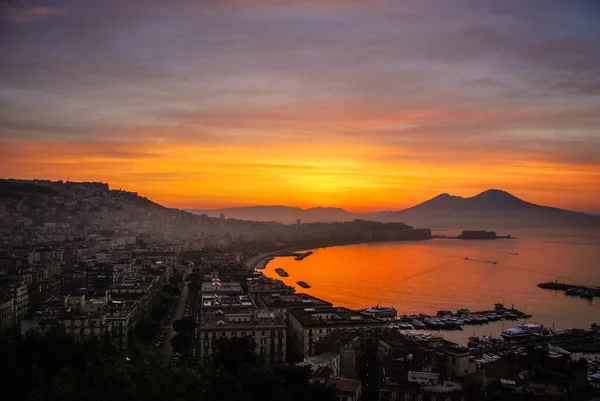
(368, 106)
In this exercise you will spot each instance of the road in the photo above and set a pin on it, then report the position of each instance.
(167, 348)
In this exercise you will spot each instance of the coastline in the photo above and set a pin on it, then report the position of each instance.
(260, 261)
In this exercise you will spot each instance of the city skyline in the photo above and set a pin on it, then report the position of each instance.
(204, 104)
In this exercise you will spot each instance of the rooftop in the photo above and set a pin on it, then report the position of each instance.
(238, 319)
(265, 284)
(222, 287)
(275, 300)
(343, 385)
(226, 301)
(333, 316)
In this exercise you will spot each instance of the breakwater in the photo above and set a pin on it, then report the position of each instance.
(582, 291)
(447, 320)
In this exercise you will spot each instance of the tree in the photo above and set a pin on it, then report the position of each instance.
(57, 367)
(184, 325)
(171, 290)
(193, 277)
(194, 287)
(146, 330)
(158, 313)
(181, 343)
(176, 279)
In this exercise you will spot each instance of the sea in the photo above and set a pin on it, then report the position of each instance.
(450, 274)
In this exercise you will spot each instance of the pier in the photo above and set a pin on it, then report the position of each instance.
(303, 255)
(582, 291)
(447, 320)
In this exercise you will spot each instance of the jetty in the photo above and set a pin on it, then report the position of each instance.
(303, 255)
(582, 291)
(447, 320)
(303, 284)
(281, 272)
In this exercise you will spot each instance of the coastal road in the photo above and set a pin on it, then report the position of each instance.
(167, 348)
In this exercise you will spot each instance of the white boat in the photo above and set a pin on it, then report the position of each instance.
(381, 312)
(524, 331)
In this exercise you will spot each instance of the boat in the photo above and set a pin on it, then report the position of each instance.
(303, 284)
(381, 312)
(405, 326)
(417, 324)
(281, 272)
(524, 331)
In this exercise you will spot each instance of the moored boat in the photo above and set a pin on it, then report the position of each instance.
(523, 331)
(381, 312)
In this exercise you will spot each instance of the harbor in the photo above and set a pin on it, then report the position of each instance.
(582, 291)
(447, 320)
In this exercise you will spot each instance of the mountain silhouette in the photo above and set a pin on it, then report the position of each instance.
(490, 209)
(492, 199)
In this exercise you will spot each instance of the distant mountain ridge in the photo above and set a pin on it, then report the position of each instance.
(490, 209)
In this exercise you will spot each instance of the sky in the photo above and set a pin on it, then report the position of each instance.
(365, 105)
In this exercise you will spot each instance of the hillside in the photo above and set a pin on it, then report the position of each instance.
(282, 214)
(490, 209)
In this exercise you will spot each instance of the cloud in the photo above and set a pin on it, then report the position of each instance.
(21, 14)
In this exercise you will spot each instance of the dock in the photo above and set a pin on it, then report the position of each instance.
(303, 255)
(447, 320)
(582, 291)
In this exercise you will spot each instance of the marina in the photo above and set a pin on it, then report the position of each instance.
(584, 341)
(581, 291)
(447, 320)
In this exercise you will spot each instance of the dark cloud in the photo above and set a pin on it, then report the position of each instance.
(482, 74)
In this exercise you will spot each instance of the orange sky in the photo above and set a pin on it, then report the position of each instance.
(358, 176)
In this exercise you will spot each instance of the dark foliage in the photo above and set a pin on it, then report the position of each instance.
(57, 367)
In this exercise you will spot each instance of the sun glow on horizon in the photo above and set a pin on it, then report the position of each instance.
(357, 177)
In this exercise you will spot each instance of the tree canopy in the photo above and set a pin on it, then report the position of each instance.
(58, 367)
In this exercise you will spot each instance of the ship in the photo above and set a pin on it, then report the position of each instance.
(381, 312)
(523, 331)
(281, 272)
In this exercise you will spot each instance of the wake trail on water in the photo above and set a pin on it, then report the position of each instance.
(443, 265)
(488, 261)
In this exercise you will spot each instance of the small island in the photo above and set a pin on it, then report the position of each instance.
(480, 234)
